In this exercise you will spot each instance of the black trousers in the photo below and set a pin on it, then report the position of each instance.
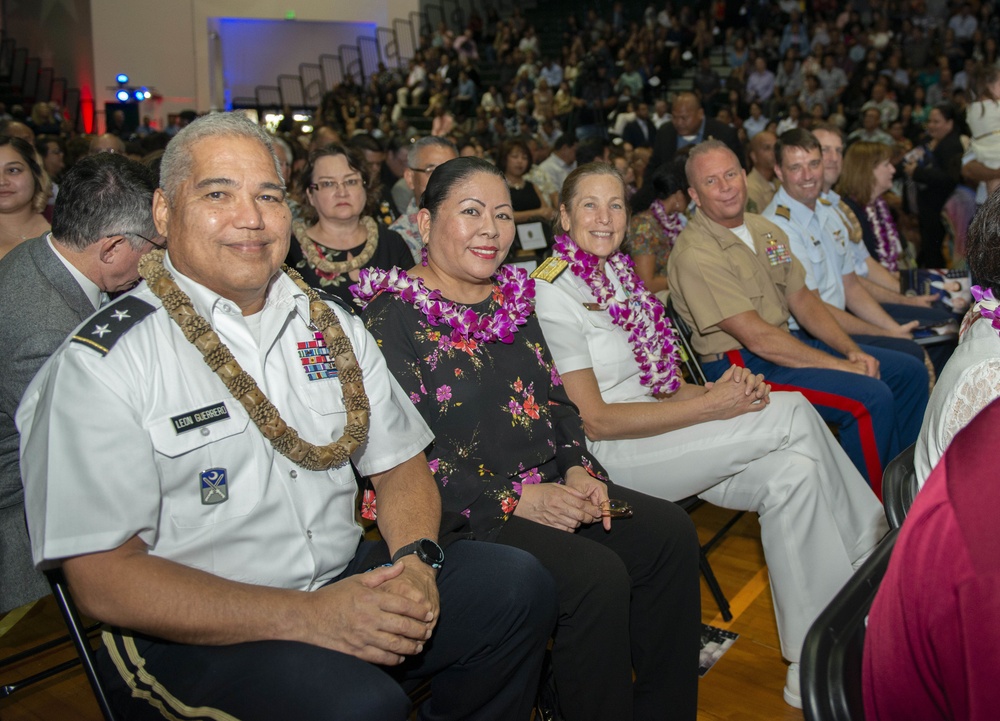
(629, 600)
(484, 659)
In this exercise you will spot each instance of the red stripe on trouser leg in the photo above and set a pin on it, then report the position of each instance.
(736, 358)
(866, 431)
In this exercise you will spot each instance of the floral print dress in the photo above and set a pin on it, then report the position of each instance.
(647, 237)
(498, 411)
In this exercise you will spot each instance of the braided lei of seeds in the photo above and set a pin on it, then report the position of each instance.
(241, 384)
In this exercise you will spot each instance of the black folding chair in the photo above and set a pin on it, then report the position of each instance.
(80, 638)
(79, 635)
(899, 487)
(695, 374)
(832, 652)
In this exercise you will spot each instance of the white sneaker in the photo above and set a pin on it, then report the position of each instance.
(793, 697)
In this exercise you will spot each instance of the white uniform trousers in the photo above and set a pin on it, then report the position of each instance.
(818, 517)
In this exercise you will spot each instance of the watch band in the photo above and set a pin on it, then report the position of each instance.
(425, 549)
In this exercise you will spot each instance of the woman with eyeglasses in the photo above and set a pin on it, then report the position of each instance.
(460, 335)
(340, 236)
(24, 192)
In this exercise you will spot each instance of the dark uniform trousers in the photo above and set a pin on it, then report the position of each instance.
(497, 612)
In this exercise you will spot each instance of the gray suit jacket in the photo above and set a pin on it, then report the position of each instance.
(40, 304)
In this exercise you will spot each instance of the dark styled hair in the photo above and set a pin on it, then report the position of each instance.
(669, 178)
(447, 176)
(355, 158)
(591, 149)
(43, 184)
(983, 244)
(507, 148)
(948, 110)
(101, 195)
(795, 138)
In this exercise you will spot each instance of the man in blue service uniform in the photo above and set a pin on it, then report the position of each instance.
(818, 240)
(191, 511)
(734, 280)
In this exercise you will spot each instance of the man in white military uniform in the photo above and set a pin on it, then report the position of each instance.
(220, 544)
(818, 239)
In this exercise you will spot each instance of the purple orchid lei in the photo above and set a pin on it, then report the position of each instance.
(989, 307)
(670, 222)
(515, 288)
(889, 246)
(642, 316)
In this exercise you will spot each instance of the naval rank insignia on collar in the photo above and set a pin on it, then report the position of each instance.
(550, 269)
(103, 330)
(316, 359)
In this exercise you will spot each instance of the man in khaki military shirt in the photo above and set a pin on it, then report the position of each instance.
(735, 282)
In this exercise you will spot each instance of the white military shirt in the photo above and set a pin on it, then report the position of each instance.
(144, 439)
(578, 337)
(857, 250)
(818, 239)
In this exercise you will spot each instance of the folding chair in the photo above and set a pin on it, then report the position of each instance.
(899, 487)
(832, 652)
(695, 374)
(80, 639)
(78, 634)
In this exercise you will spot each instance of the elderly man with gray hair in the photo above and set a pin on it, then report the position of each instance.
(187, 459)
(48, 286)
(425, 155)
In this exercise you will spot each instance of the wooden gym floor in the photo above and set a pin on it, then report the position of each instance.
(744, 685)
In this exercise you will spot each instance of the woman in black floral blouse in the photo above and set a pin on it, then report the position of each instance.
(509, 455)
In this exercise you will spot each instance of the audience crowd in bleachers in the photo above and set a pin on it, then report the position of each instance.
(609, 78)
(910, 88)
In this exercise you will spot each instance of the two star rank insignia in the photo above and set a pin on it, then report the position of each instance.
(103, 330)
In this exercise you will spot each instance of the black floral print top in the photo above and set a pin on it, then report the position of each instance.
(499, 413)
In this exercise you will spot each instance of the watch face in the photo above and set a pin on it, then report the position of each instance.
(430, 551)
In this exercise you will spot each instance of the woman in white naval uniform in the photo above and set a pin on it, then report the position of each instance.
(732, 443)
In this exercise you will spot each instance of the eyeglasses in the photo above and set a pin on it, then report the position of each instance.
(153, 243)
(326, 185)
(429, 169)
(613, 508)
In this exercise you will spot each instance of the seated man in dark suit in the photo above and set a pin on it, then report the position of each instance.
(48, 286)
(641, 132)
(688, 126)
